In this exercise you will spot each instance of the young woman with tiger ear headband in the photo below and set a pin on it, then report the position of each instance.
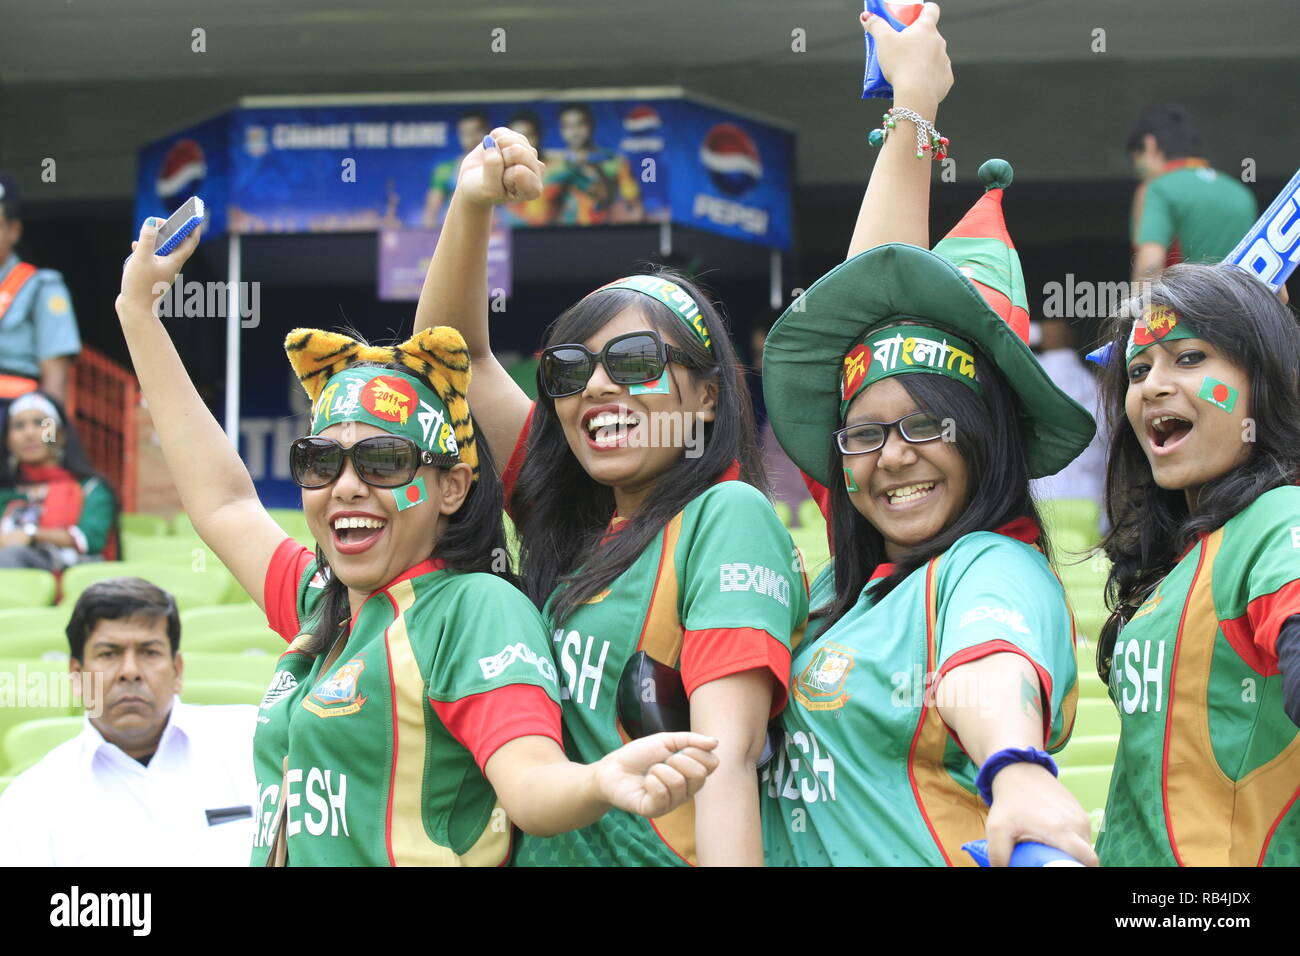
(402, 726)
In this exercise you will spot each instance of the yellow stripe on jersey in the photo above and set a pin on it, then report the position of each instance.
(953, 815)
(409, 843)
(661, 638)
(1212, 820)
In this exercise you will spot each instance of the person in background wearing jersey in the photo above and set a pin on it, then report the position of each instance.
(636, 488)
(416, 699)
(939, 667)
(1202, 654)
(1183, 211)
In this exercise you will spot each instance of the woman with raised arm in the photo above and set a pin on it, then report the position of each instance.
(939, 669)
(415, 713)
(1202, 654)
(671, 589)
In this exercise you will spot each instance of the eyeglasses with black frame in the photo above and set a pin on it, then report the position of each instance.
(381, 461)
(630, 359)
(866, 437)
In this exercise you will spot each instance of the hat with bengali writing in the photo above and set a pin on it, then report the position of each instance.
(899, 309)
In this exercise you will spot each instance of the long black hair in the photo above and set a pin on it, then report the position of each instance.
(987, 432)
(1151, 526)
(473, 540)
(561, 512)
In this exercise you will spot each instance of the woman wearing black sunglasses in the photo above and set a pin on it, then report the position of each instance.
(415, 713)
(1202, 655)
(635, 488)
(939, 667)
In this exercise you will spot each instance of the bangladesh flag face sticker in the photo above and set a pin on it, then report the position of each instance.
(1219, 394)
(408, 496)
(849, 483)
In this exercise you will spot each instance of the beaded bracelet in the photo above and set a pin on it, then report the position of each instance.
(928, 138)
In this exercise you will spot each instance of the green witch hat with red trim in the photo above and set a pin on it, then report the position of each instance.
(970, 285)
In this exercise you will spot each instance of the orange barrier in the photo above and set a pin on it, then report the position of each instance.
(102, 398)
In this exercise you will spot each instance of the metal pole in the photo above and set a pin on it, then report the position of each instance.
(234, 302)
(774, 271)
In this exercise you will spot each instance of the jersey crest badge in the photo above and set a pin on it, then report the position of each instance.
(337, 697)
(821, 685)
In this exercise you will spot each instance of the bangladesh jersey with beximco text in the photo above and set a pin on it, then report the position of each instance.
(379, 761)
(718, 592)
(870, 775)
(1208, 768)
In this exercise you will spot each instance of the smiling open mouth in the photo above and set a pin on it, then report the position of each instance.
(909, 493)
(610, 429)
(1168, 430)
(353, 534)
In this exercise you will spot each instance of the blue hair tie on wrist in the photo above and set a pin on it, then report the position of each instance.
(984, 782)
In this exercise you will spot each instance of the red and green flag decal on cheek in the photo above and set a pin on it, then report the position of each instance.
(408, 496)
(849, 483)
(1219, 394)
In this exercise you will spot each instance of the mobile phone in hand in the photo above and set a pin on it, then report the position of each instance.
(179, 225)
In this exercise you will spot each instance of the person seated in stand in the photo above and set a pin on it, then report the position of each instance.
(55, 509)
(149, 781)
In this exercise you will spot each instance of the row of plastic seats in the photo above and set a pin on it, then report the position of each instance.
(291, 520)
(197, 580)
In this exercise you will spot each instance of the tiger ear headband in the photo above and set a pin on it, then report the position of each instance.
(426, 404)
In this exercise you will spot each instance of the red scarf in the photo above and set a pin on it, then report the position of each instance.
(61, 504)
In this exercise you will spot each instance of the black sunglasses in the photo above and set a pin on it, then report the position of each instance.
(382, 461)
(631, 359)
(867, 437)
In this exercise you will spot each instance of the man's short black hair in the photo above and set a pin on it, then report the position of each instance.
(9, 200)
(526, 116)
(474, 115)
(115, 599)
(1174, 128)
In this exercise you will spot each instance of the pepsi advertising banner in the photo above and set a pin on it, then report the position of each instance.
(371, 167)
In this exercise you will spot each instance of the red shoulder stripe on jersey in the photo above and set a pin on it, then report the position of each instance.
(1253, 635)
(280, 587)
(710, 654)
(482, 723)
(978, 651)
(516, 462)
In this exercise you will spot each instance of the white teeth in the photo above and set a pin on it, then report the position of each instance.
(341, 524)
(606, 419)
(909, 492)
(1160, 420)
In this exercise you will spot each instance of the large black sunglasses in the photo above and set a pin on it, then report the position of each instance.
(867, 437)
(383, 461)
(631, 359)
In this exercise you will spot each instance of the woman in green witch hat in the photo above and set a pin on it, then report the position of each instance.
(940, 666)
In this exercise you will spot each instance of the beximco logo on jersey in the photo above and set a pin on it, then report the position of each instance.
(731, 158)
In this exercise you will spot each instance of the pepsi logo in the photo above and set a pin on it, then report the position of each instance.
(732, 159)
(642, 119)
(182, 172)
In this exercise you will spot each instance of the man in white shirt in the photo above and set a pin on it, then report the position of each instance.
(1085, 477)
(149, 781)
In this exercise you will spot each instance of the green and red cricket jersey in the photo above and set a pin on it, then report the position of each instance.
(379, 762)
(718, 592)
(1208, 767)
(1197, 213)
(870, 775)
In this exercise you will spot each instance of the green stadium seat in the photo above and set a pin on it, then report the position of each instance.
(45, 643)
(143, 524)
(26, 587)
(30, 741)
(202, 581)
(221, 692)
(32, 690)
(783, 512)
(294, 522)
(167, 548)
(182, 525)
(250, 668)
(1090, 786)
(235, 640)
(1096, 718)
(1091, 687)
(1097, 751)
(810, 514)
(220, 617)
